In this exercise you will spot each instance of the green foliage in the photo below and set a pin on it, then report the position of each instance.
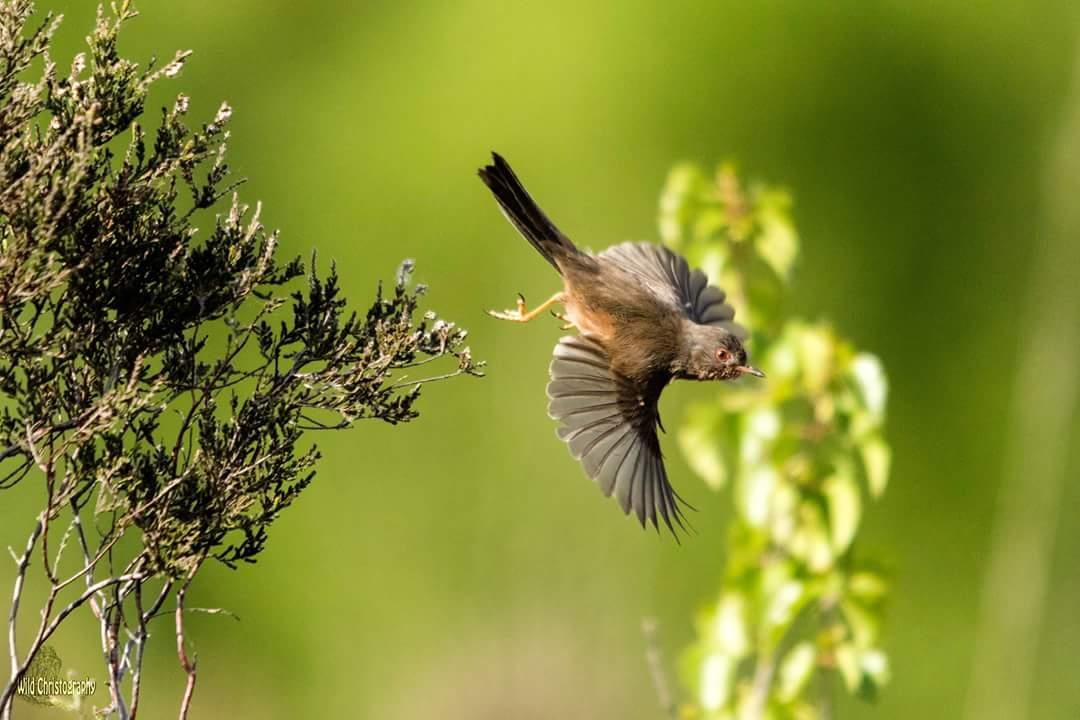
(115, 316)
(802, 452)
(159, 367)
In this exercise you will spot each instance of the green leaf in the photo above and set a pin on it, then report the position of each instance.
(783, 514)
(678, 203)
(870, 380)
(710, 223)
(782, 609)
(714, 260)
(700, 444)
(717, 681)
(815, 345)
(845, 506)
(777, 242)
(782, 361)
(810, 541)
(754, 494)
(863, 671)
(795, 671)
(865, 623)
(761, 427)
(875, 665)
(868, 587)
(729, 631)
(764, 294)
(876, 457)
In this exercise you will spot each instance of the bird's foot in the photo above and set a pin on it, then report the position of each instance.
(520, 314)
(517, 315)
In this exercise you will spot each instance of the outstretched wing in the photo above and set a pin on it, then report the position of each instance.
(668, 275)
(610, 424)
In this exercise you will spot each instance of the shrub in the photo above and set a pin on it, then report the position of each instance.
(802, 452)
(160, 378)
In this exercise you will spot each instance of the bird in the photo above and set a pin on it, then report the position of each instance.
(644, 318)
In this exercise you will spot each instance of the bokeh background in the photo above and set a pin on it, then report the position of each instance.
(461, 566)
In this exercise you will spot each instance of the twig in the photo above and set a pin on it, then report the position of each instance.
(48, 628)
(435, 378)
(655, 659)
(759, 688)
(140, 640)
(136, 669)
(88, 567)
(825, 678)
(112, 637)
(20, 579)
(188, 664)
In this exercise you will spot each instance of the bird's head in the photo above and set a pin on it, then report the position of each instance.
(714, 352)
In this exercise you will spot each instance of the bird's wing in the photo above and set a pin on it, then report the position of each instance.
(610, 424)
(669, 276)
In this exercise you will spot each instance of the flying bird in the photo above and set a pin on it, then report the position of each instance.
(645, 318)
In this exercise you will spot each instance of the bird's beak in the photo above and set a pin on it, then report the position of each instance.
(748, 370)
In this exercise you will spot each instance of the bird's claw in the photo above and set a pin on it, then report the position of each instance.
(522, 315)
(566, 324)
(517, 315)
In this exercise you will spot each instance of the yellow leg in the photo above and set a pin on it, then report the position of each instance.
(522, 315)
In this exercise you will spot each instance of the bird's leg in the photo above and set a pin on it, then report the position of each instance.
(521, 314)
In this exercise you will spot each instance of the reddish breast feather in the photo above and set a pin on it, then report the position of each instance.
(587, 320)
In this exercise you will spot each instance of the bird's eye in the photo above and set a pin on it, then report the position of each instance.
(723, 355)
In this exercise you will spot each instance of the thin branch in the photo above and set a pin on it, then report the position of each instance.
(16, 596)
(112, 647)
(435, 378)
(144, 616)
(188, 664)
(88, 567)
(47, 631)
(825, 680)
(140, 644)
(760, 685)
(655, 660)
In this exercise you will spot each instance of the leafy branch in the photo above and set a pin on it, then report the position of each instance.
(802, 453)
(159, 379)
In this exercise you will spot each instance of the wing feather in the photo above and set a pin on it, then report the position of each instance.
(610, 430)
(669, 276)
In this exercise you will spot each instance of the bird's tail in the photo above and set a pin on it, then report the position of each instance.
(523, 211)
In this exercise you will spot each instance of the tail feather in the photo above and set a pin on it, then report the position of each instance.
(521, 210)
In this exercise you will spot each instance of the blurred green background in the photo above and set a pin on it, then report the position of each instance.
(461, 566)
